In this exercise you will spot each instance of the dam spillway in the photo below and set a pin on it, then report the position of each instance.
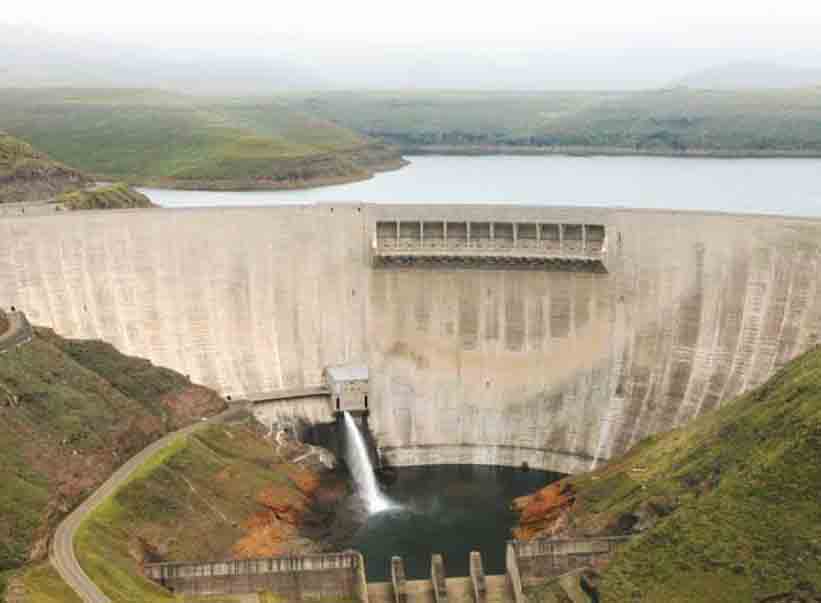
(554, 368)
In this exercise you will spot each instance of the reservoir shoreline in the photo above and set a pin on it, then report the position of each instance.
(602, 151)
(760, 186)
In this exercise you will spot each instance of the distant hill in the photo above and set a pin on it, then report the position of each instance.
(674, 121)
(722, 510)
(165, 139)
(741, 76)
(29, 175)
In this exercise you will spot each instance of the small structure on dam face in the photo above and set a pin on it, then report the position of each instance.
(348, 385)
(574, 247)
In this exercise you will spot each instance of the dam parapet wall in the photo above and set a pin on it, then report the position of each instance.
(296, 578)
(561, 369)
(545, 558)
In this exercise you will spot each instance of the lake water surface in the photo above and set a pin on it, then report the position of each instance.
(779, 186)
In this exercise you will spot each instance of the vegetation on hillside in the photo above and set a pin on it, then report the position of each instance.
(28, 175)
(223, 492)
(723, 510)
(71, 412)
(153, 137)
(671, 121)
(114, 196)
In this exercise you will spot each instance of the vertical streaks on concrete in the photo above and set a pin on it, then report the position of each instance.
(468, 288)
(514, 313)
(802, 266)
(491, 313)
(755, 305)
(536, 288)
(560, 305)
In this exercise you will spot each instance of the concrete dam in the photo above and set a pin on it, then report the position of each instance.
(639, 322)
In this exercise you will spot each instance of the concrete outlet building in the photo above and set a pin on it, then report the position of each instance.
(348, 386)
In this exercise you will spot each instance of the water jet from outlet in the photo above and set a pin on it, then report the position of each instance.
(361, 468)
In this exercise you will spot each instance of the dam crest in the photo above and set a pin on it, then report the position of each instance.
(502, 335)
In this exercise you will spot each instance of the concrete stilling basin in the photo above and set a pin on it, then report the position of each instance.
(551, 364)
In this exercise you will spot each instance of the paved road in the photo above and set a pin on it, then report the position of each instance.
(62, 554)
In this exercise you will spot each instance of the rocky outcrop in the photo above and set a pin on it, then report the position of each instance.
(545, 512)
(28, 175)
(286, 509)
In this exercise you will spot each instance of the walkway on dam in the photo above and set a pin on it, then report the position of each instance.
(288, 394)
(61, 553)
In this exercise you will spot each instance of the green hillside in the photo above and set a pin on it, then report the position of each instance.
(724, 510)
(154, 137)
(29, 175)
(672, 121)
(70, 413)
(217, 494)
(114, 196)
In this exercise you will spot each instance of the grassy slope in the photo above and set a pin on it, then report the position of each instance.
(27, 174)
(44, 585)
(727, 508)
(189, 502)
(114, 196)
(156, 137)
(653, 121)
(78, 408)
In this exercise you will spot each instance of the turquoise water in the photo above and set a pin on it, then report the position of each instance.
(780, 186)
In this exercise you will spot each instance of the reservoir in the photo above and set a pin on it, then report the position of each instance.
(773, 186)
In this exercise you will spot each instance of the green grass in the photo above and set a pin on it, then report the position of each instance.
(152, 137)
(82, 409)
(188, 500)
(114, 196)
(732, 501)
(14, 151)
(27, 174)
(44, 585)
(5, 576)
(664, 121)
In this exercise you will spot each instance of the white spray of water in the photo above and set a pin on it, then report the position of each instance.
(362, 469)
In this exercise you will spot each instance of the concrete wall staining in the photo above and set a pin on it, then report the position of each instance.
(557, 369)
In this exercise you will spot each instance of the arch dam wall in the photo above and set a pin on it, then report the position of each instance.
(557, 369)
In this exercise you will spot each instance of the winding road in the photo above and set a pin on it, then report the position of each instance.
(61, 553)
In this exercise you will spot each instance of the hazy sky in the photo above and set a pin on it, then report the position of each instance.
(575, 23)
(503, 44)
